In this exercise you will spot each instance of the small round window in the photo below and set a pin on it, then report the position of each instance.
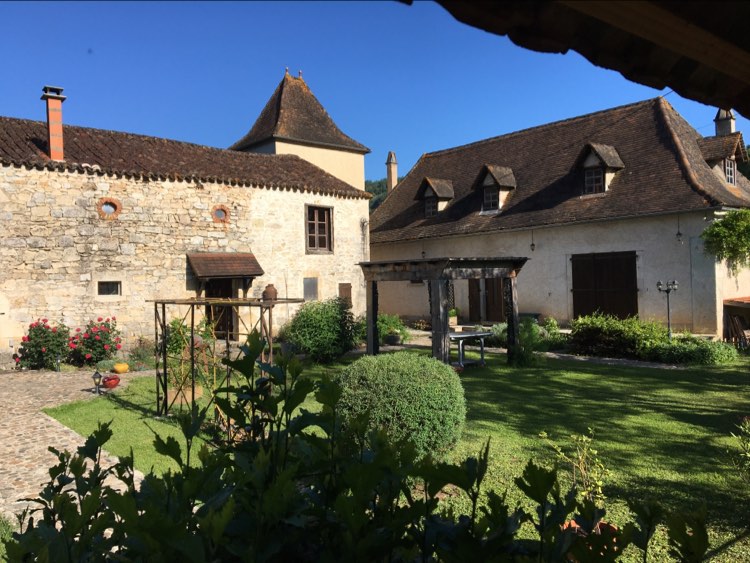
(108, 208)
(220, 214)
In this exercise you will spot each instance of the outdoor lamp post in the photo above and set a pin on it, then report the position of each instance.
(668, 288)
(97, 377)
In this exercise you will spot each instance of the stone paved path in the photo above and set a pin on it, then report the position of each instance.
(26, 432)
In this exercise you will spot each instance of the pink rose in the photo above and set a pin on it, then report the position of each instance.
(78, 330)
(45, 321)
(18, 360)
(99, 319)
(107, 319)
(114, 318)
(88, 356)
(94, 329)
(106, 346)
(24, 339)
(44, 349)
(118, 346)
(97, 337)
(54, 329)
(85, 334)
(72, 346)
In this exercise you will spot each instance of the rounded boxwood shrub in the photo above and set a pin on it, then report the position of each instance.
(411, 397)
(323, 330)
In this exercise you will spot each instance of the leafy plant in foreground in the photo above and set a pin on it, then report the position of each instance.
(275, 490)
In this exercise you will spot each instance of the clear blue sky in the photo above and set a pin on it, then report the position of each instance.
(394, 77)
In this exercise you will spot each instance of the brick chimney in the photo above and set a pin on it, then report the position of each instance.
(54, 98)
(391, 167)
(725, 124)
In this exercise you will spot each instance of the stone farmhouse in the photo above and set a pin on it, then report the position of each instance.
(604, 206)
(96, 223)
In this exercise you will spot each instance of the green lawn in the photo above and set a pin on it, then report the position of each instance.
(662, 433)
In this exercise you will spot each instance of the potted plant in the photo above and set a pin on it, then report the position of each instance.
(453, 317)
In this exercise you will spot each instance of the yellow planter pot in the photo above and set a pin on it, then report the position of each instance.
(120, 368)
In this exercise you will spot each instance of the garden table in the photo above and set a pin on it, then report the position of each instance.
(462, 338)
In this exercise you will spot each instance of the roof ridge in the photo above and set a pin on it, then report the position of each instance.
(541, 127)
(664, 108)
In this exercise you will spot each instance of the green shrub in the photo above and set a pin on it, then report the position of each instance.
(412, 397)
(553, 338)
(604, 335)
(499, 336)
(6, 534)
(391, 324)
(43, 346)
(530, 339)
(323, 330)
(105, 365)
(688, 350)
(141, 355)
(100, 340)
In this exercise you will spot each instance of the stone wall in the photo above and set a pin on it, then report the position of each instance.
(55, 246)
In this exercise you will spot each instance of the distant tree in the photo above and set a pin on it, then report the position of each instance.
(378, 189)
(743, 167)
(729, 239)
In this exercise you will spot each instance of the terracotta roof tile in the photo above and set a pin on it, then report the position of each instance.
(293, 113)
(664, 172)
(211, 265)
(23, 143)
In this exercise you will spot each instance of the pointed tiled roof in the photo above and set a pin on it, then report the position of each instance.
(24, 143)
(294, 114)
(664, 172)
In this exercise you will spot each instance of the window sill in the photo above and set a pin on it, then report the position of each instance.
(490, 212)
(316, 251)
(592, 196)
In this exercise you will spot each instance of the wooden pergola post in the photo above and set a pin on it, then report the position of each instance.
(440, 332)
(511, 306)
(373, 338)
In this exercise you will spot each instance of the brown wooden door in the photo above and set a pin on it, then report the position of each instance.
(605, 282)
(222, 317)
(475, 302)
(495, 304)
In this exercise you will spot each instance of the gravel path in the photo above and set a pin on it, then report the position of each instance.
(26, 432)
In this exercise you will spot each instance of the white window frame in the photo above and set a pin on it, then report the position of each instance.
(730, 171)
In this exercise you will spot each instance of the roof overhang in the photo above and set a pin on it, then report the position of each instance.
(699, 49)
(226, 265)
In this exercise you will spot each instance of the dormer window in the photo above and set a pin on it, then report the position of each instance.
(435, 193)
(496, 183)
(430, 206)
(730, 170)
(600, 164)
(491, 198)
(593, 182)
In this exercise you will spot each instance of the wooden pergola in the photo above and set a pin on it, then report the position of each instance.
(439, 272)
